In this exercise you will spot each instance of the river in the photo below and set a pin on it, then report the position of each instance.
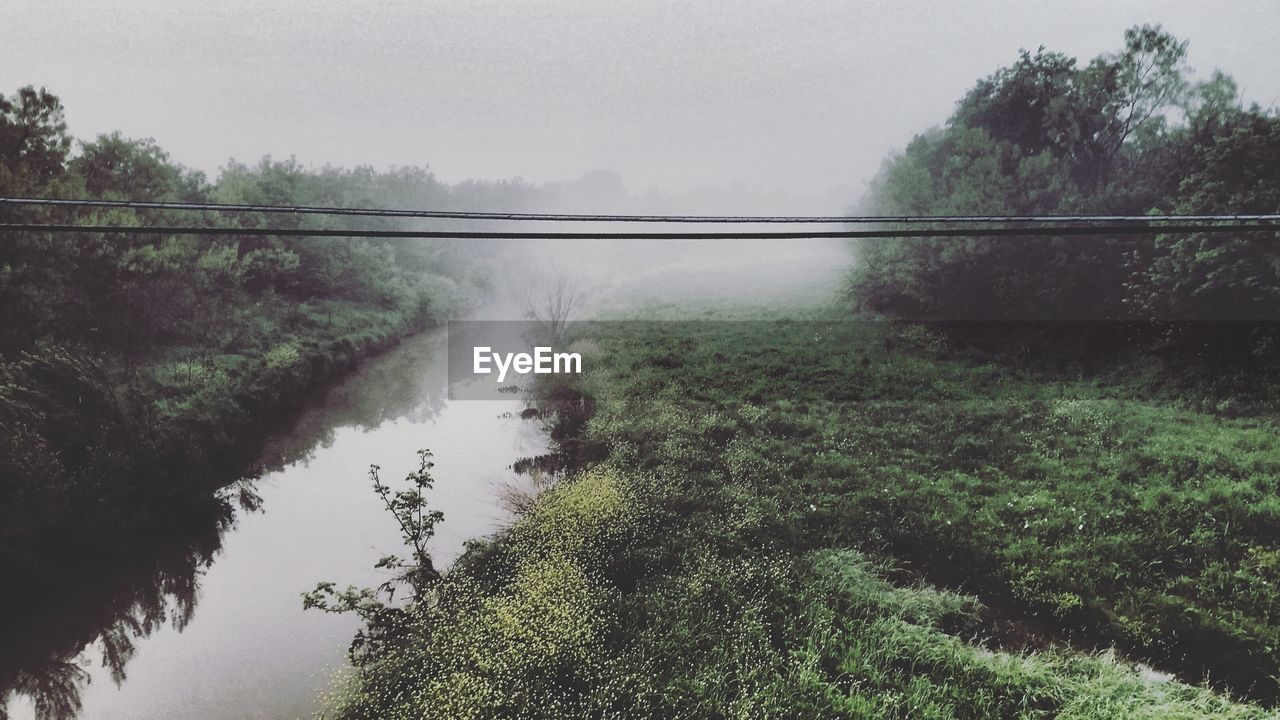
(215, 629)
(247, 649)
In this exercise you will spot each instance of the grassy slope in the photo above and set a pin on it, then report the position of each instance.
(283, 352)
(731, 555)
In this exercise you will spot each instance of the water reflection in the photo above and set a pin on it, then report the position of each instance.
(409, 382)
(313, 484)
(110, 607)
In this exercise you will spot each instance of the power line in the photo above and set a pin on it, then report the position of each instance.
(650, 235)
(563, 217)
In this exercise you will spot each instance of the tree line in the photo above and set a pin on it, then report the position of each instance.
(1129, 132)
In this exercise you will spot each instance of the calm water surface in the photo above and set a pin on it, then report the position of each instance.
(248, 649)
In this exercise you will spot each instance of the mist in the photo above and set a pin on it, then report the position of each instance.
(989, 467)
(799, 98)
(627, 278)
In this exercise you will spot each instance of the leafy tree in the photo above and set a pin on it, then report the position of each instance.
(1202, 276)
(34, 143)
(1028, 104)
(417, 572)
(1149, 78)
(1128, 133)
(119, 168)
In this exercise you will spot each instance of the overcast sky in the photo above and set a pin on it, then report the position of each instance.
(777, 96)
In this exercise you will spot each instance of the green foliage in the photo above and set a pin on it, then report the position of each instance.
(1203, 277)
(383, 619)
(33, 141)
(117, 168)
(417, 524)
(517, 636)
(282, 356)
(1128, 133)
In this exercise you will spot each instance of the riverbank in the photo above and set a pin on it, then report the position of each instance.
(828, 518)
(112, 560)
(190, 421)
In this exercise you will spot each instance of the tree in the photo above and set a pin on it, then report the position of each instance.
(1028, 104)
(1202, 276)
(549, 298)
(34, 143)
(1040, 137)
(1150, 78)
(120, 168)
(418, 572)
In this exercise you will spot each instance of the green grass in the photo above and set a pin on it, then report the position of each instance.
(790, 497)
(1107, 516)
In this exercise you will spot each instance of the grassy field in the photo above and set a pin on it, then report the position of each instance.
(823, 518)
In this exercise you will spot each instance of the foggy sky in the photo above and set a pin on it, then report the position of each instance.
(774, 96)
